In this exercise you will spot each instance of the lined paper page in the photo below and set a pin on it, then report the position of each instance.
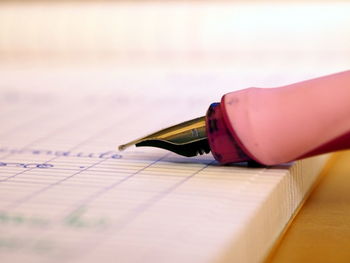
(67, 194)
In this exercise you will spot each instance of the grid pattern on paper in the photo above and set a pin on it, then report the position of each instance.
(66, 193)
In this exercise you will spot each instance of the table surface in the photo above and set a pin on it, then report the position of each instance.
(321, 230)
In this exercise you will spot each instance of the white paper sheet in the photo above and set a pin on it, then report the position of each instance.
(67, 194)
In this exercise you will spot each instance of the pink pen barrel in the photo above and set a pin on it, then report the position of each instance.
(278, 125)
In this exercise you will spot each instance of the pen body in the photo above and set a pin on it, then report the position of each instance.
(277, 125)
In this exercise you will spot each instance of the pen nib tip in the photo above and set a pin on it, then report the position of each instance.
(121, 147)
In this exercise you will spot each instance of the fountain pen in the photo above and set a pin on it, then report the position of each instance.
(268, 126)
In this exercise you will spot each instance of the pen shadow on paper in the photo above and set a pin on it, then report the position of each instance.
(207, 159)
(210, 161)
(170, 158)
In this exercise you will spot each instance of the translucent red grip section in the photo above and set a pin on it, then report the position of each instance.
(223, 144)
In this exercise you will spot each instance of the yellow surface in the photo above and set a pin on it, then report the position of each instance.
(321, 230)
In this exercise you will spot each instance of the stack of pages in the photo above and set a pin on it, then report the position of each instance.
(67, 194)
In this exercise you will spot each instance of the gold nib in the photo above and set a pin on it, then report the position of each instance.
(188, 138)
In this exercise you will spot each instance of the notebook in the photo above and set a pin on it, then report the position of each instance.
(68, 195)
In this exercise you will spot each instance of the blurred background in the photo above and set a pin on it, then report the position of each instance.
(255, 43)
